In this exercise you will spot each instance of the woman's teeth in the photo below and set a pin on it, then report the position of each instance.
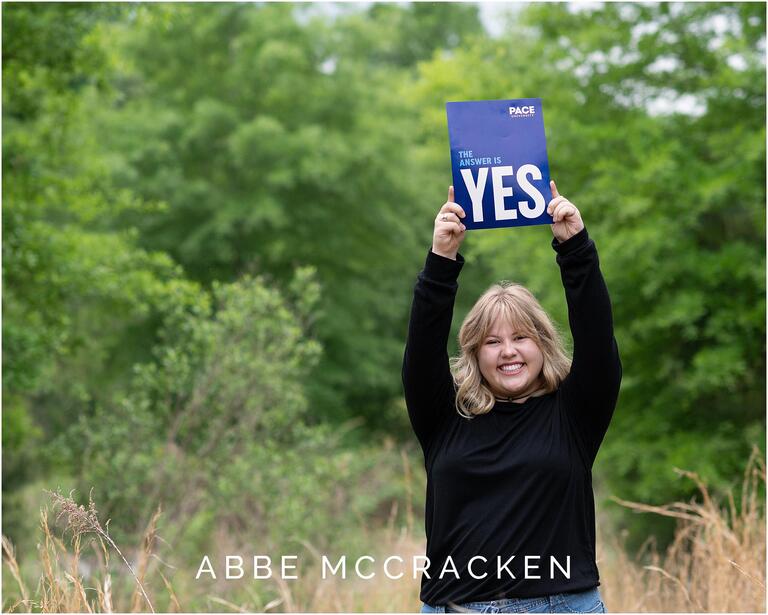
(511, 368)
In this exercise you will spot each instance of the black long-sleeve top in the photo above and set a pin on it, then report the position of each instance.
(516, 481)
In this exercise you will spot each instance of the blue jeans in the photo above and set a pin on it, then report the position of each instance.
(588, 601)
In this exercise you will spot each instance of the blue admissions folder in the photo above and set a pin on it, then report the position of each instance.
(499, 162)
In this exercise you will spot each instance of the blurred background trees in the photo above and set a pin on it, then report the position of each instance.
(214, 215)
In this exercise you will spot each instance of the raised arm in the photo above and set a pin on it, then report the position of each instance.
(427, 379)
(592, 386)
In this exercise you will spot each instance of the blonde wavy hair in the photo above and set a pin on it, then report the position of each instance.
(515, 304)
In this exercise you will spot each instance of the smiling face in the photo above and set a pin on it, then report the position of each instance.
(510, 349)
(510, 361)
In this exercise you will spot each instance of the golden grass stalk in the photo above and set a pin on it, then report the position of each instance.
(147, 547)
(52, 595)
(175, 605)
(13, 566)
(85, 521)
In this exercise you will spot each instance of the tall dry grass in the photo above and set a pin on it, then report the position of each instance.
(716, 563)
(61, 588)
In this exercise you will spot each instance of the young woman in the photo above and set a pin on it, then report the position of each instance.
(510, 435)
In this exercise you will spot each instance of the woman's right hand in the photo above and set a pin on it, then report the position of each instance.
(449, 231)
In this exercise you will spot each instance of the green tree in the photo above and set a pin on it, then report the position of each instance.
(284, 146)
(80, 297)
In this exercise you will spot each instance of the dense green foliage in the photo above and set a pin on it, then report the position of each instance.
(213, 216)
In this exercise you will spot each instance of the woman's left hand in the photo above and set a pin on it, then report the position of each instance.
(567, 219)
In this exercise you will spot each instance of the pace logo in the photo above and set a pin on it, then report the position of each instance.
(524, 111)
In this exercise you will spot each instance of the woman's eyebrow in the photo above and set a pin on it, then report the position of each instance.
(514, 333)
